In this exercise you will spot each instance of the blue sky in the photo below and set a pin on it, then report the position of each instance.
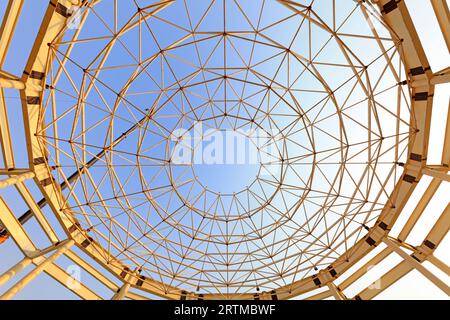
(220, 177)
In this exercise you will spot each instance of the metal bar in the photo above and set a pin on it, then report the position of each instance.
(16, 171)
(37, 212)
(7, 28)
(16, 179)
(446, 148)
(25, 262)
(439, 264)
(11, 83)
(337, 293)
(418, 210)
(437, 173)
(122, 292)
(442, 14)
(10, 222)
(388, 279)
(417, 265)
(33, 274)
(69, 282)
(439, 78)
(91, 270)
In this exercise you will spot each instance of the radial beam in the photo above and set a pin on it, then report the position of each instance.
(11, 272)
(11, 83)
(395, 247)
(15, 229)
(7, 28)
(64, 246)
(443, 16)
(16, 179)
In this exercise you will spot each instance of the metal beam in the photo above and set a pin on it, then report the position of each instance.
(16, 179)
(395, 247)
(439, 264)
(446, 148)
(11, 272)
(439, 173)
(76, 287)
(442, 14)
(438, 78)
(16, 288)
(37, 212)
(91, 270)
(388, 279)
(12, 172)
(11, 83)
(337, 293)
(7, 28)
(419, 209)
(10, 222)
(122, 292)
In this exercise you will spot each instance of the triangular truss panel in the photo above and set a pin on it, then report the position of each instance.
(89, 185)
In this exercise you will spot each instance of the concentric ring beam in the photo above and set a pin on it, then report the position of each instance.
(35, 272)
(422, 84)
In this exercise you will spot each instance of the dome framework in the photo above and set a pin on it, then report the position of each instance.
(108, 225)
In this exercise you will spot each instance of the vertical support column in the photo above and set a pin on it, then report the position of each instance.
(33, 274)
(394, 247)
(337, 293)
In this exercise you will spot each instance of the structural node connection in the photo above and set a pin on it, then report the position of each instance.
(329, 108)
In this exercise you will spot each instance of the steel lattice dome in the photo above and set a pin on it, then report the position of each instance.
(341, 94)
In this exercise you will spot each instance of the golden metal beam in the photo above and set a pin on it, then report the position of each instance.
(7, 29)
(443, 16)
(16, 288)
(16, 179)
(394, 246)
(337, 293)
(420, 79)
(438, 173)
